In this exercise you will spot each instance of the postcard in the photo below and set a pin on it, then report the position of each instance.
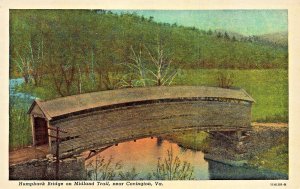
(153, 94)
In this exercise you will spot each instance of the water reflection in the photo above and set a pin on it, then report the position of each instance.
(144, 153)
(19, 96)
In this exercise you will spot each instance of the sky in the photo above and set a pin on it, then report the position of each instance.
(246, 22)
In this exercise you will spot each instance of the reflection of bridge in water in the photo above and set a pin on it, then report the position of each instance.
(100, 119)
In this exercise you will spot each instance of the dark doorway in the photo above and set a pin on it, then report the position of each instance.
(41, 131)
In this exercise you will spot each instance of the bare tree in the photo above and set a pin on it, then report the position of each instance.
(162, 72)
(24, 67)
(36, 55)
(138, 70)
(157, 71)
(225, 79)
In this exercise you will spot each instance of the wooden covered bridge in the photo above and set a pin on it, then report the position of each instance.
(99, 119)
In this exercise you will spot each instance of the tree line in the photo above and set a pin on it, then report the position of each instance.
(75, 51)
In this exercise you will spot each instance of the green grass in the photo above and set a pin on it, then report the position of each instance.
(269, 88)
(275, 159)
(19, 125)
(191, 139)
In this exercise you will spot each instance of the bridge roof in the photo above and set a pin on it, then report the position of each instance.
(70, 104)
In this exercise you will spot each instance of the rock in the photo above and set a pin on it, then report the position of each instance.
(49, 156)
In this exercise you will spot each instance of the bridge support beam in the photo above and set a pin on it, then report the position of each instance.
(235, 140)
(238, 135)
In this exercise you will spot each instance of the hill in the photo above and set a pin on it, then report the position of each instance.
(85, 50)
(280, 38)
(76, 33)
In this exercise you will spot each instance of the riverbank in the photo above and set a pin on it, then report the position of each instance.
(265, 148)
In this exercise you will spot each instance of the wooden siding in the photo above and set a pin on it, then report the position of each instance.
(37, 112)
(106, 127)
(76, 103)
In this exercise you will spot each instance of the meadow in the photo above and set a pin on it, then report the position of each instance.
(268, 87)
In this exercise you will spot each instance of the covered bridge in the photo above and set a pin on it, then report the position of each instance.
(105, 118)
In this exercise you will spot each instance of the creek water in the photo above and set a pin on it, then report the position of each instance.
(24, 98)
(143, 155)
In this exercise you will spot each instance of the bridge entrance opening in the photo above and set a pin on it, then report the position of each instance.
(40, 131)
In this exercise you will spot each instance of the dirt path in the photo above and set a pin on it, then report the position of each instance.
(27, 153)
(255, 124)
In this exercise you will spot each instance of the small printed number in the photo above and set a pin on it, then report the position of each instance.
(278, 184)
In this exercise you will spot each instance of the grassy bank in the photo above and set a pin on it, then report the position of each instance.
(269, 88)
(19, 124)
(271, 154)
(275, 158)
(191, 140)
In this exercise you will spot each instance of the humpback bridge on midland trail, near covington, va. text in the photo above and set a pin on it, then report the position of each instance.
(100, 119)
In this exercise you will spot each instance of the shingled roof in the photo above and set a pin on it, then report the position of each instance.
(70, 104)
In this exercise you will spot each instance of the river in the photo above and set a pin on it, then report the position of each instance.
(14, 95)
(143, 155)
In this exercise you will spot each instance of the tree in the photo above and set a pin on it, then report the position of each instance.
(156, 70)
(151, 19)
(219, 35)
(23, 64)
(225, 79)
(137, 70)
(209, 32)
(162, 72)
(226, 36)
(233, 38)
(36, 53)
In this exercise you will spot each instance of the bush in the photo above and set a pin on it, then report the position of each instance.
(225, 79)
(171, 168)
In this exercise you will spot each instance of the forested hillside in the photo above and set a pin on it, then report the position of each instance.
(67, 52)
(67, 47)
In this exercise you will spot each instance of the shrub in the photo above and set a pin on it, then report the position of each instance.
(225, 80)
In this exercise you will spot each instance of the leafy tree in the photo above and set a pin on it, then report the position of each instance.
(233, 38)
(226, 36)
(209, 32)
